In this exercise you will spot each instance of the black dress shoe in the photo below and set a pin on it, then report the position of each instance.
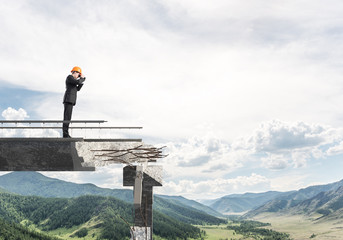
(66, 136)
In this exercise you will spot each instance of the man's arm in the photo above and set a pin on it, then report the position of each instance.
(82, 79)
(79, 87)
(71, 80)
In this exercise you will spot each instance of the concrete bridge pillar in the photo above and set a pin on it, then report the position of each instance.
(143, 179)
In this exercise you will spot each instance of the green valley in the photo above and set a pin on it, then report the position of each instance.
(242, 229)
(31, 203)
(94, 216)
(304, 227)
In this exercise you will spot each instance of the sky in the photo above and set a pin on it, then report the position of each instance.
(245, 95)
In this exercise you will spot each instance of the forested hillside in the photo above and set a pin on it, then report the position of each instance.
(9, 231)
(185, 214)
(327, 203)
(191, 203)
(107, 212)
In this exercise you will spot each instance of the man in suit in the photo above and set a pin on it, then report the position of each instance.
(74, 83)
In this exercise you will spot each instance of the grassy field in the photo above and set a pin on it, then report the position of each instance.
(64, 233)
(301, 227)
(215, 232)
(295, 225)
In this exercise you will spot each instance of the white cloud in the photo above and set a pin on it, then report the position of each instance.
(300, 158)
(172, 66)
(274, 161)
(197, 151)
(288, 182)
(231, 64)
(105, 177)
(13, 114)
(335, 150)
(217, 187)
(277, 136)
(199, 157)
(21, 114)
(275, 145)
(286, 144)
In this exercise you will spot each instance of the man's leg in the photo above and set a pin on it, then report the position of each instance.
(68, 110)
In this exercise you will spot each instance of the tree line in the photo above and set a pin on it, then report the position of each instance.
(13, 231)
(53, 213)
(249, 228)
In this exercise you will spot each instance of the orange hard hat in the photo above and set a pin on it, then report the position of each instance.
(76, 69)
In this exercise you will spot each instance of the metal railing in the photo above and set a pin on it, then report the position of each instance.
(58, 121)
(27, 124)
(52, 121)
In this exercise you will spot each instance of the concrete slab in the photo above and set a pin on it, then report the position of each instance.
(57, 154)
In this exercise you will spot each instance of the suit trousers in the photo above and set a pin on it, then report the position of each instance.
(68, 110)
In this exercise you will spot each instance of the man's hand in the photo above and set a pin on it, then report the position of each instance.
(82, 75)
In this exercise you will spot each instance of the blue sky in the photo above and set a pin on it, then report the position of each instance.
(246, 95)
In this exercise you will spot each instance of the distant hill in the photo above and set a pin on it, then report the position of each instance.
(3, 190)
(191, 203)
(307, 200)
(243, 203)
(240, 203)
(36, 184)
(206, 202)
(309, 192)
(329, 204)
(184, 213)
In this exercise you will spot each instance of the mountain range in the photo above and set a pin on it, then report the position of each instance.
(326, 200)
(36, 184)
(241, 203)
(251, 202)
(192, 203)
(65, 209)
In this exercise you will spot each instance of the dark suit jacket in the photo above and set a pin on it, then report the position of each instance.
(72, 86)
